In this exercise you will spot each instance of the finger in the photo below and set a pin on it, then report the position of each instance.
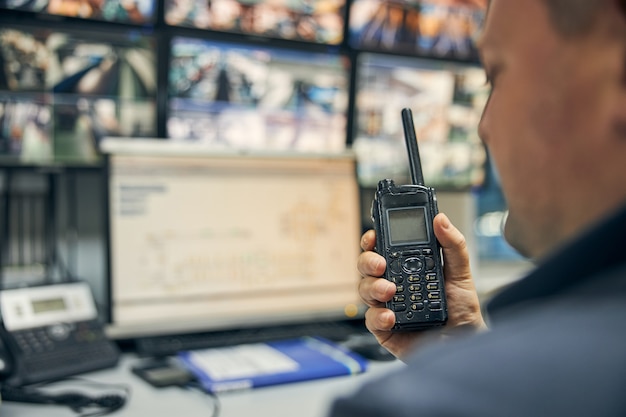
(454, 247)
(368, 240)
(379, 320)
(371, 264)
(376, 291)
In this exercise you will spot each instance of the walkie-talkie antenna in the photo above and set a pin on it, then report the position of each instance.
(415, 164)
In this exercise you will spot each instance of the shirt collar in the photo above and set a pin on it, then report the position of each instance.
(596, 250)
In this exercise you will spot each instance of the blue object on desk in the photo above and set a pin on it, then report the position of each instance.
(271, 363)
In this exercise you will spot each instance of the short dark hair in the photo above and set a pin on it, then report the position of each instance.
(572, 17)
(575, 17)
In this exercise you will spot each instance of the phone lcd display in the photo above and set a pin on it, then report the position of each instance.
(407, 226)
(49, 304)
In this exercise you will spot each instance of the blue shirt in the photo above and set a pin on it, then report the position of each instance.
(557, 346)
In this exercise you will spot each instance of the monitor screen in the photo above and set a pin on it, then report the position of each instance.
(315, 21)
(121, 11)
(446, 100)
(62, 91)
(438, 28)
(201, 241)
(25, 116)
(291, 100)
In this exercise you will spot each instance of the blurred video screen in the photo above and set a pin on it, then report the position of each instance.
(437, 28)
(25, 117)
(244, 97)
(122, 11)
(446, 99)
(61, 92)
(317, 21)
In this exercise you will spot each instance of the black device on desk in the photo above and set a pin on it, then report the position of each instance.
(50, 332)
(403, 219)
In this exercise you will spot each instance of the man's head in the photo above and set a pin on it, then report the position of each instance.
(555, 123)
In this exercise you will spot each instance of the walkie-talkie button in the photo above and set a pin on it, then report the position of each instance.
(412, 265)
(399, 289)
(413, 278)
(395, 266)
(434, 295)
(417, 306)
(416, 297)
(430, 263)
(398, 298)
(431, 277)
(415, 287)
(399, 307)
(397, 279)
(435, 305)
(432, 286)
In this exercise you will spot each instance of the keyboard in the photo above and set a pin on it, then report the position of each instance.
(171, 344)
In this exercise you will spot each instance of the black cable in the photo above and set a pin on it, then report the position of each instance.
(71, 232)
(5, 236)
(215, 401)
(85, 405)
(63, 269)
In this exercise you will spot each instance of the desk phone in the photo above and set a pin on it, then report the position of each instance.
(50, 332)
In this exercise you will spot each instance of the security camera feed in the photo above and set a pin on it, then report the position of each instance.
(25, 117)
(122, 11)
(437, 28)
(317, 21)
(61, 92)
(446, 100)
(242, 97)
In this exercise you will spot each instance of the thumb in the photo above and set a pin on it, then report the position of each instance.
(455, 254)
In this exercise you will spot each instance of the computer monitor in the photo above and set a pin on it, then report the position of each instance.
(61, 91)
(313, 21)
(200, 241)
(138, 12)
(292, 100)
(437, 28)
(447, 100)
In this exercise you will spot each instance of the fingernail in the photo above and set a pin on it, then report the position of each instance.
(445, 222)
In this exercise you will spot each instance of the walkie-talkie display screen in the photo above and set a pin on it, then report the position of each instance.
(407, 226)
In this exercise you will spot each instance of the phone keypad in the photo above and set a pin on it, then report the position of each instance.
(62, 349)
(418, 290)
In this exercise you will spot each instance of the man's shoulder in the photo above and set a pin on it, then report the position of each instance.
(563, 355)
(578, 329)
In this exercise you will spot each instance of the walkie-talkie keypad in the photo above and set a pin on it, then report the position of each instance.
(422, 292)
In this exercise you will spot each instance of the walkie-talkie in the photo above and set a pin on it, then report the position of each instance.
(403, 219)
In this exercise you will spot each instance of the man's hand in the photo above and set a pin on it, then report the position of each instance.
(462, 299)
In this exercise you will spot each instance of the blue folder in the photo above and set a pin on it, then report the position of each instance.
(270, 363)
